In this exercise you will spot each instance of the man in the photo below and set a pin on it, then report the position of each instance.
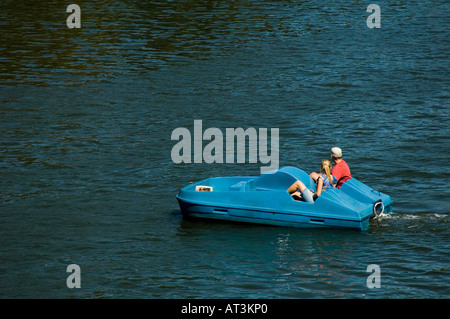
(340, 169)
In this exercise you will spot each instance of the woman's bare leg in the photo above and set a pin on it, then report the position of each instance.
(297, 185)
(306, 194)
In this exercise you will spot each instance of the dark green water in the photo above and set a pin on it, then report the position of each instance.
(86, 116)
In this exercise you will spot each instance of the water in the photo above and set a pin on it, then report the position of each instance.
(86, 117)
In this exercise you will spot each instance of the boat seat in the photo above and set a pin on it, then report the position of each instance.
(238, 186)
(243, 186)
(283, 178)
(250, 185)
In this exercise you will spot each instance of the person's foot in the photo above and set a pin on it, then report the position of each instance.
(297, 196)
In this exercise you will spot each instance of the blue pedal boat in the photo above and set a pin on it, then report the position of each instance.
(264, 200)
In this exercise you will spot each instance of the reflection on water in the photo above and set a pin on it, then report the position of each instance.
(118, 37)
(122, 36)
(311, 261)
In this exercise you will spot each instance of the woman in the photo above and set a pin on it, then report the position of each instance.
(324, 181)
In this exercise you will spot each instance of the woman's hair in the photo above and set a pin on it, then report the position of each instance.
(325, 168)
